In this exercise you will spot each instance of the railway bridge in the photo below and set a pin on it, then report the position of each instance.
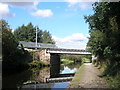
(50, 53)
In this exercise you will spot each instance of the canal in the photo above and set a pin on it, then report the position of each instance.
(41, 78)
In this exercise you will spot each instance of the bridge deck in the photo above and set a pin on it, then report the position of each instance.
(67, 51)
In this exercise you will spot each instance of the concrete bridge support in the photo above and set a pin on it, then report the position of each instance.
(55, 65)
(54, 59)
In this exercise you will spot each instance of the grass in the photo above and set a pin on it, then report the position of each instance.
(113, 80)
(78, 76)
(66, 61)
(112, 74)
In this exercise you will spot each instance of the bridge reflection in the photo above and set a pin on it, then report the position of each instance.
(52, 74)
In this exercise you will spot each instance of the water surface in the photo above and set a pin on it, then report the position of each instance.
(37, 78)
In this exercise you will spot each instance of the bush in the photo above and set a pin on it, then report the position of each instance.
(66, 61)
(38, 64)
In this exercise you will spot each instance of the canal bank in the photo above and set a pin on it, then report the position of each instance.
(88, 76)
(36, 78)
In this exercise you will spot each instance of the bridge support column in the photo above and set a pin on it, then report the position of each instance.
(54, 59)
(55, 65)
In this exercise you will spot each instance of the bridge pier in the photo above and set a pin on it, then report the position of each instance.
(55, 65)
(54, 59)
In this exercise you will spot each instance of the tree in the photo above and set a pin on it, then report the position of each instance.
(12, 56)
(104, 39)
(46, 37)
(104, 29)
(9, 42)
(28, 33)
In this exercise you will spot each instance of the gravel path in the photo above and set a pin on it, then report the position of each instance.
(89, 78)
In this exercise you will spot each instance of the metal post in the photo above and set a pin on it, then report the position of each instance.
(36, 37)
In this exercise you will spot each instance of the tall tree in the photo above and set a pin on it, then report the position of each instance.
(46, 37)
(12, 56)
(28, 33)
(104, 29)
(9, 42)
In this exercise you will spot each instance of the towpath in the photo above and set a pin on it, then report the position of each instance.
(88, 76)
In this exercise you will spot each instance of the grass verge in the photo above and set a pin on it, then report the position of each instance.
(78, 76)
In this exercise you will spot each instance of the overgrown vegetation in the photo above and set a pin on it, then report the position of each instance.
(37, 64)
(104, 39)
(12, 56)
(75, 58)
(15, 57)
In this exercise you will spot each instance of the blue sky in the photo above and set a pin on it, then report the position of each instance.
(64, 20)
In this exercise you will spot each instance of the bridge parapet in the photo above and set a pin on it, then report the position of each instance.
(67, 51)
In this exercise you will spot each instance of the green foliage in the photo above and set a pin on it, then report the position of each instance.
(77, 58)
(28, 33)
(104, 29)
(85, 60)
(46, 37)
(9, 43)
(12, 56)
(66, 61)
(114, 81)
(38, 64)
(71, 57)
(104, 39)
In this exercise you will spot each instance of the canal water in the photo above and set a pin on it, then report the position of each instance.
(36, 78)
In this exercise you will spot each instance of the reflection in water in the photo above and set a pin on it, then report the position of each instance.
(12, 81)
(47, 85)
(54, 71)
(72, 68)
(40, 76)
(68, 70)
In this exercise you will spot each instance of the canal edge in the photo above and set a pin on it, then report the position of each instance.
(76, 79)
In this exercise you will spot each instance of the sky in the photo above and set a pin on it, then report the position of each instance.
(64, 20)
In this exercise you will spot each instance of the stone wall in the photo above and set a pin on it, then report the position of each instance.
(52, 59)
(42, 56)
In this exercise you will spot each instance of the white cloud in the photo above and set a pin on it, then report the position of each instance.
(77, 40)
(28, 5)
(43, 13)
(4, 11)
(80, 4)
(25, 5)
